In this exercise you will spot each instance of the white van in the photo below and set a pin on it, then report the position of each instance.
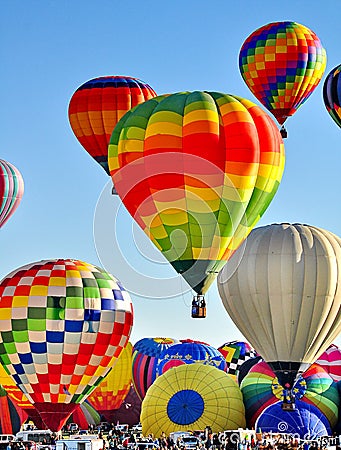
(41, 437)
(79, 444)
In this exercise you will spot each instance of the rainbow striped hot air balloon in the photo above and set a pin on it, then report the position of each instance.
(261, 388)
(282, 63)
(196, 170)
(97, 106)
(11, 190)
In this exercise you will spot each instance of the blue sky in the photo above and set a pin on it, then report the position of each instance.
(49, 48)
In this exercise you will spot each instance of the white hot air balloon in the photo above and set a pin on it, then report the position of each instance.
(282, 289)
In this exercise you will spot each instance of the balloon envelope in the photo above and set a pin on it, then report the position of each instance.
(261, 388)
(235, 354)
(332, 94)
(285, 294)
(192, 396)
(306, 420)
(330, 360)
(196, 170)
(62, 325)
(97, 106)
(282, 63)
(11, 190)
(146, 352)
(113, 389)
(129, 411)
(190, 352)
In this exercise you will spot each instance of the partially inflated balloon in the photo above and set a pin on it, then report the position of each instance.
(285, 294)
(63, 323)
(196, 170)
(113, 389)
(282, 63)
(190, 397)
(330, 360)
(146, 352)
(11, 190)
(332, 94)
(97, 106)
(235, 354)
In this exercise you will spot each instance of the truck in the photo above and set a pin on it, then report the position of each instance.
(82, 443)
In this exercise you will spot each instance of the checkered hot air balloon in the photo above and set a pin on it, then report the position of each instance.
(63, 323)
(97, 106)
(282, 63)
(196, 170)
(11, 190)
(332, 94)
(235, 354)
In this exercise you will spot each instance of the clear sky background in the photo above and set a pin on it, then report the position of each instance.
(49, 48)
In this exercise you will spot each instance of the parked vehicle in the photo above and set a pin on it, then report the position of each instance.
(79, 444)
(188, 442)
(43, 438)
(5, 439)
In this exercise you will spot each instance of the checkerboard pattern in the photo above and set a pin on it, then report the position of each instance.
(62, 325)
(97, 106)
(235, 354)
(282, 63)
(196, 170)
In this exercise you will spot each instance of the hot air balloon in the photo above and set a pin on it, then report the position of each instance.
(97, 106)
(285, 295)
(11, 190)
(330, 360)
(11, 417)
(260, 388)
(62, 325)
(146, 352)
(190, 352)
(307, 421)
(196, 170)
(282, 63)
(192, 396)
(332, 94)
(113, 389)
(235, 354)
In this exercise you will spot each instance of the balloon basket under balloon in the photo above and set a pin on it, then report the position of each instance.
(198, 307)
(283, 132)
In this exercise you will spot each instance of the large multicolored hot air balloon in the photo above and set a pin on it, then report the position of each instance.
(146, 352)
(260, 388)
(62, 325)
(330, 360)
(190, 352)
(282, 63)
(196, 170)
(285, 295)
(190, 397)
(113, 389)
(332, 94)
(11, 190)
(97, 106)
(235, 354)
